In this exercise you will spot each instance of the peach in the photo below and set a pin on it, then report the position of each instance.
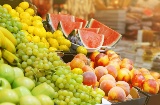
(114, 56)
(76, 63)
(100, 71)
(117, 60)
(115, 64)
(106, 85)
(134, 72)
(128, 61)
(112, 70)
(101, 60)
(155, 74)
(82, 57)
(126, 65)
(91, 64)
(144, 71)
(151, 86)
(137, 80)
(93, 55)
(158, 81)
(124, 85)
(107, 77)
(110, 53)
(116, 94)
(87, 68)
(124, 75)
(148, 76)
(89, 78)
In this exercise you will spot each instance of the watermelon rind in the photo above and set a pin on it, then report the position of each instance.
(111, 37)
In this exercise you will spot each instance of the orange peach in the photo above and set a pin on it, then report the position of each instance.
(144, 71)
(113, 57)
(124, 75)
(151, 86)
(77, 63)
(116, 94)
(124, 85)
(106, 85)
(101, 60)
(82, 57)
(115, 64)
(112, 70)
(107, 77)
(117, 60)
(87, 68)
(100, 71)
(93, 55)
(110, 53)
(89, 78)
(137, 80)
(155, 74)
(126, 65)
(128, 61)
(148, 76)
(134, 72)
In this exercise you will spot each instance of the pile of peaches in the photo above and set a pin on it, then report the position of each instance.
(114, 75)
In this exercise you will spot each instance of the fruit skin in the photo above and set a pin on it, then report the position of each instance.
(18, 72)
(116, 94)
(77, 63)
(82, 57)
(106, 85)
(150, 86)
(155, 74)
(8, 35)
(107, 77)
(100, 71)
(101, 60)
(144, 71)
(89, 78)
(11, 58)
(23, 81)
(29, 100)
(7, 72)
(87, 68)
(8, 95)
(112, 70)
(45, 100)
(138, 80)
(7, 103)
(124, 75)
(124, 85)
(43, 88)
(22, 91)
(4, 84)
(93, 55)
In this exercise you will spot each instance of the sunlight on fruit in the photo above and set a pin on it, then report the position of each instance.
(81, 49)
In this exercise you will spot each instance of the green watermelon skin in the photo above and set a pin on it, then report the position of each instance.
(54, 19)
(111, 37)
(90, 39)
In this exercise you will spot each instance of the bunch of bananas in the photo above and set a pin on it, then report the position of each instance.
(7, 45)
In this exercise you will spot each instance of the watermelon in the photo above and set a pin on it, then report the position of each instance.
(54, 19)
(85, 22)
(67, 27)
(111, 37)
(96, 30)
(90, 39)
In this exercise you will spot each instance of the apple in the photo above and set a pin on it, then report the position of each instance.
(18, 72)
(137, 80)
(43, 88)
(4, 84)
(7, 103)
(7, 72)
(101, 60)
(45, 100)
(22, 91)
(93, 55)
(9, 95)
(23, 81)
(29, 100)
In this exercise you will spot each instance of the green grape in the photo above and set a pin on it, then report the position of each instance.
(24, 64)
(42, 79)
(25, 57)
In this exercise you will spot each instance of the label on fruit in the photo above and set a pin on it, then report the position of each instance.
(105, 102)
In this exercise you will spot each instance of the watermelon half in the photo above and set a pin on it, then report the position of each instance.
(54, 19)
(68, 27)
(85, 22)
(90, 39)
(111, 37)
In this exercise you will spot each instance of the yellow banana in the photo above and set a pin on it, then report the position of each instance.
(10, 57)
(9, 35)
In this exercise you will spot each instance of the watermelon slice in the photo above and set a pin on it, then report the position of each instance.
(96, 30)
(85, 22)
(54, 19)
(90, 39)
(67, 27)
(111, 37)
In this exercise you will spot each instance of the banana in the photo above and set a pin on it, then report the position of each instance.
(9, 35)
(10, 57)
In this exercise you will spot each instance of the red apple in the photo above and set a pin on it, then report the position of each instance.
(101, 60)
(100, 71)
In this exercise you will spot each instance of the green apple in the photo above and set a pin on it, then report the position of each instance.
(23, 81)
(7, 72)
(45, 100)
(18, 72)
(43, 88)
(7, 103)
(4, 84)
(29, 100)
(22, 91)
(9, 95)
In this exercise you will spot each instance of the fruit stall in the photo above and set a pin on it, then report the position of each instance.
(62, 59)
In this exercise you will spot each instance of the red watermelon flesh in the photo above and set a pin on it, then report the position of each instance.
(96, 30)
(85, 22)
(54, 19)
(111, 37)
(91, 39)
(67, 27)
